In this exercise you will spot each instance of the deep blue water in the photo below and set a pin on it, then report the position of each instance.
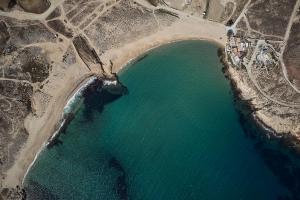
(175, 135)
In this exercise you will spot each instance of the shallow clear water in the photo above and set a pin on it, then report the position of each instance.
(176, 135)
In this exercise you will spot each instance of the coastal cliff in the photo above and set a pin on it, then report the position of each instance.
(278, 121)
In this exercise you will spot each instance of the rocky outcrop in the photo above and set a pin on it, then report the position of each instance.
(34, 6)
(282, 122)
(5, 5)
(61, 28)
(86, 52)
(24, 33)
(12, 194)
(34, 63)
(154, 2)
(4, 35)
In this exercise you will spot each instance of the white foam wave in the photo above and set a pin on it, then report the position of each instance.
(109, 82)
(71, 103)
(77, 96)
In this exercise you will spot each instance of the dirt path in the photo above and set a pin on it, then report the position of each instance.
(16, 81)
(242, 14)
(252, 78)
(286, 37)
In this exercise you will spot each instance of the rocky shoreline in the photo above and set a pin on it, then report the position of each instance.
(236, 81)
(280, 151)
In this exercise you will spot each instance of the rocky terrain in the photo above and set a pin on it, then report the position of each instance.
(49, 47)
(292, 51)
(272, 89)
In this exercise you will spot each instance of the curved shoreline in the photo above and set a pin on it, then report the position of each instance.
(85, 79)
(123, 61)
(150, 57)
(234, 84)
(16, 174)
(78, 88)
(81, 83)
(135, 58)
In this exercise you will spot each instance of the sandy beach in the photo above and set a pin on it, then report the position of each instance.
(187, 28)
(41, 129)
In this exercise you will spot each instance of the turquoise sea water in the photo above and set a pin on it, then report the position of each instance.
(175, 135)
